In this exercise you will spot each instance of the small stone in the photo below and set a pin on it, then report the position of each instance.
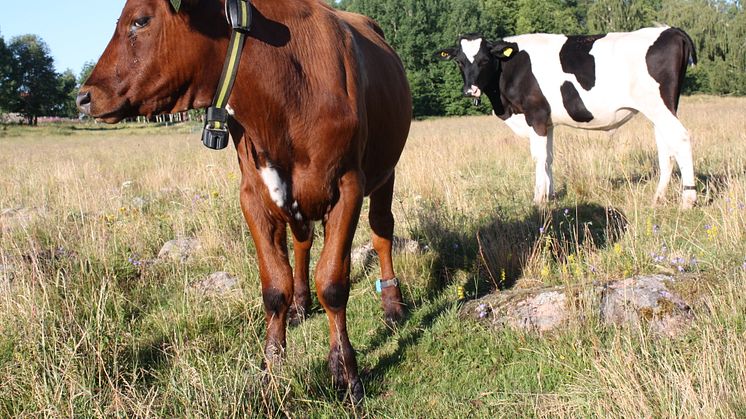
(13, 218)
(363, 255)
(216, 283)
(139, 202)
(179, 250)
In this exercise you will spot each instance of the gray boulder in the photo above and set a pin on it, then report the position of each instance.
(179, 250)
(645, 299)
(216, 283)
(634, 302)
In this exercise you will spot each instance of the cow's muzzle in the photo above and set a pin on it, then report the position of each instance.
(84, 102)
(474, 92)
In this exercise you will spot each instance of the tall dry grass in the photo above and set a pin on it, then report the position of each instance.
(89, 328)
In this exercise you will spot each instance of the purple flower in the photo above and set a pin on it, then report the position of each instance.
(134, 261)
(680, 268)
(541, 230)
(708, 227)
(567, 212)
(656, 229)
(694, 261)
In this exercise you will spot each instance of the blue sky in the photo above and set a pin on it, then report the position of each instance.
(76, 31)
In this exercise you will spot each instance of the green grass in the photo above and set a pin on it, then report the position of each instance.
(85, 333)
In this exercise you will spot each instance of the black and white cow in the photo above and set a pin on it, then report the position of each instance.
(538, 81)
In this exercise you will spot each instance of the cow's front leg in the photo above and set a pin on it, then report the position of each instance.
(270, 238)
(542, 152)
(333, 282)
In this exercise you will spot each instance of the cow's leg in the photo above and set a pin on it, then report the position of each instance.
(542, 151)
(270, 239)
(302, 294)
(382, 224)
(333, 281)
(673, 141)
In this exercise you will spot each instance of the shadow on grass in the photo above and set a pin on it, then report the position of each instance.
(496, 246)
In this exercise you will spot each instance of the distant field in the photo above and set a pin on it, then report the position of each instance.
(87, 330)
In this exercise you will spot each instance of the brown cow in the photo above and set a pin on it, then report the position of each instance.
(321, 110)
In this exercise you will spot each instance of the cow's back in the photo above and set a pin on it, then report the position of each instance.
(613, 82)
(387, 100)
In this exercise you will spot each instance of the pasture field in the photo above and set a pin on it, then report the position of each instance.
(90, 328)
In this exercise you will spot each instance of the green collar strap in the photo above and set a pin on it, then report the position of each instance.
(215, 133)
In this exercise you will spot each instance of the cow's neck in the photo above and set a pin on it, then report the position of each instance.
(500, 104)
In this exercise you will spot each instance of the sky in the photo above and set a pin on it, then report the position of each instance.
(76, 31)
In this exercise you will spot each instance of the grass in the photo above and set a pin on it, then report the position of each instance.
(85, 332)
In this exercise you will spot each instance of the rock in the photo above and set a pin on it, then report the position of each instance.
(363, 255)
(179, 250)
(139, 202)
(12, 218)
(6, 272)
(540, 310)
(633, 302)
(646, 299)
(216, 283)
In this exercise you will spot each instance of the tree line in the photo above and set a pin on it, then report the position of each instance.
(418, 28)
(30, 86)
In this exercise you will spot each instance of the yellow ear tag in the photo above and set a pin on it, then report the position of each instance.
(508, 52)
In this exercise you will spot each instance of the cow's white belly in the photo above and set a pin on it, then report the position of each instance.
(604, 119)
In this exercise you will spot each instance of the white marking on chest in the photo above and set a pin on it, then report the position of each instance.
(471, 48)
(275, 184)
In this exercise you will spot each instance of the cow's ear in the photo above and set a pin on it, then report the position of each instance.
(446, 54)
(182, 4)
(504, 50)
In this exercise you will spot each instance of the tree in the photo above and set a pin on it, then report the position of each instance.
(7, 85)
(621, 15)
(550, 16)
(718, 29)
(35, 78)
(67, 91)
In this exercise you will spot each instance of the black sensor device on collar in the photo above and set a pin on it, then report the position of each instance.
(215, 134)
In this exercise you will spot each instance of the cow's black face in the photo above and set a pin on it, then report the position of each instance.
(479, 61)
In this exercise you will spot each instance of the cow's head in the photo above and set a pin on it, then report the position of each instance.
(165, 56)
(479, 61)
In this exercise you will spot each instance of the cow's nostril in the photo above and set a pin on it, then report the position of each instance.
(84, 102)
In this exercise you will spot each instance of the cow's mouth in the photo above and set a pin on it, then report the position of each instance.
(474, 92)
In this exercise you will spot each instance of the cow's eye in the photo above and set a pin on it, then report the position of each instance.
(142, 22)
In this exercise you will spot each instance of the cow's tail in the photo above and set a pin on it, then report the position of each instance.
(689, 49)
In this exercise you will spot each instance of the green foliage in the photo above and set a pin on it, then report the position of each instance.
(418, 28)
(35, 77)
(29, 84)
(7, 84)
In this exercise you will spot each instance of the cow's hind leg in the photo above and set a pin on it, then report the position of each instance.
(542, 151)
(301, 306)
(382, 224)
(333, 282)
(673, 142)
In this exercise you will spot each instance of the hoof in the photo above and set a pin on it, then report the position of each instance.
(393, 306)
(297, 315)
(350, 389)
(688, 199)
